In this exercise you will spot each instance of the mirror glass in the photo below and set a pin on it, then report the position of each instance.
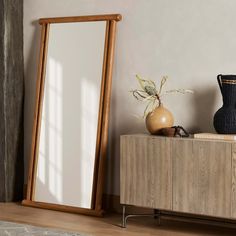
(70, 109)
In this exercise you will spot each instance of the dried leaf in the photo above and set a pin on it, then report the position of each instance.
(183, 91)
(163, 81)
(141, 82)
(150, 90)
(146, 110)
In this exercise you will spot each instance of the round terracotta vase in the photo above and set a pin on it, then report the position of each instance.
(158, 119)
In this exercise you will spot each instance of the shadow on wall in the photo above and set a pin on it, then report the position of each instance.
(127, 125)
(204, 101)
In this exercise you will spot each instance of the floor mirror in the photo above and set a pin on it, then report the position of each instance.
(70, 130)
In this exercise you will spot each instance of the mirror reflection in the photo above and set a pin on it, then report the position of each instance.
(68, 129)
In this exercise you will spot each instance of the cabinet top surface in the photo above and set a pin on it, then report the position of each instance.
(191, 138)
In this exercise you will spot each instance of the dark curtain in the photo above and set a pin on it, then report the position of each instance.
(11, 100)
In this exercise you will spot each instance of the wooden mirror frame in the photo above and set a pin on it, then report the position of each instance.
(103, 117)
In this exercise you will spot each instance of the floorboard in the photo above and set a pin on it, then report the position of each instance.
(108, 225)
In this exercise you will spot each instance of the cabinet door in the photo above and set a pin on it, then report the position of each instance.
(202, 177)
(146, 172)
(233, 198)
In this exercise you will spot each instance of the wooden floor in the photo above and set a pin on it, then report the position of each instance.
(109, 225)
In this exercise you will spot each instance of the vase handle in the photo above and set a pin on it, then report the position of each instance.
(219, 82)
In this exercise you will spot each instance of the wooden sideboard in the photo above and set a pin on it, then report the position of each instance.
(179, 174)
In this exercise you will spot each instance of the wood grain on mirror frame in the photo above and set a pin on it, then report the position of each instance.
(103, 116)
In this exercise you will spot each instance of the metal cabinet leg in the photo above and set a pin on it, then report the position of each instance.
(123, 218)
(156, 215)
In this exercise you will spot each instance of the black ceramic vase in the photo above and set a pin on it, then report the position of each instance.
(225, 117)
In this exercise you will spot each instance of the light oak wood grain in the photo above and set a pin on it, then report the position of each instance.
(105, 113)
(68, 19)
(146, 172)
(202, 177)
(57, 207)
(233, 193)
(39, 89)
(185, 175)
(40, 107)
(184, 187)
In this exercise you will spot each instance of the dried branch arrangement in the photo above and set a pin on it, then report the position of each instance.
(149, 93)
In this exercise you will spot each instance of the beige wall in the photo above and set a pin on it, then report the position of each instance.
(190, 40)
